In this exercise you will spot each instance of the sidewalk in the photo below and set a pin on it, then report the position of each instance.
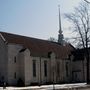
(77, 86)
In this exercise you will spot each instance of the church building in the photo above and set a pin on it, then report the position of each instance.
(34, 61)
(31, 61)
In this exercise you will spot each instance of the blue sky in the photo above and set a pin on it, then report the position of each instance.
(35, 18)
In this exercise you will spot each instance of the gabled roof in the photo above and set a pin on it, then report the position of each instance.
(39, 47)
(79, 54)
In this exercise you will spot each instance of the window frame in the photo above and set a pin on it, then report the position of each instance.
(45, 68)
(34, 68)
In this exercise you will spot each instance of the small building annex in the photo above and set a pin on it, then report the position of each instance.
(33, 61)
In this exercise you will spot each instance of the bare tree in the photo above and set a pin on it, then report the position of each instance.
(80, 19)
(87, 1)
(52, 39)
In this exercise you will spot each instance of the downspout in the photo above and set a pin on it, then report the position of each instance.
(40, 73)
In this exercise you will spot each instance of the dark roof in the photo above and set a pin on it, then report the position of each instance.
(78, 54)
(22, 50)
(39, 47)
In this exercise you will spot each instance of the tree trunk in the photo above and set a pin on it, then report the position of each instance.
(87, 58)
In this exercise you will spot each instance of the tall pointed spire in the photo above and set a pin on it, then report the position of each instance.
(60, 35)
(60, 29)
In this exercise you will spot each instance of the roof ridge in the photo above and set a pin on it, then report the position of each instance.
(30, 37)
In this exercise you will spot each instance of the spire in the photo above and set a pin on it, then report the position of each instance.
(60, 29)
(60, 35)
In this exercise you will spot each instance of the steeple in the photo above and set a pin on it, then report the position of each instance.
(60, 35)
